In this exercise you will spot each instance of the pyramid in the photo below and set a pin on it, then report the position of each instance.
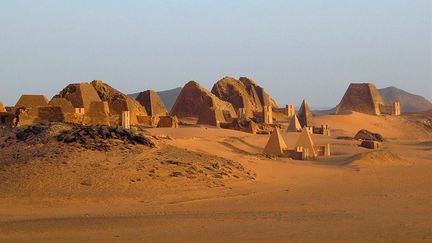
(81, 95)
(211, 116)
(194, 98)
(361, 97)
(276, 144)
(305, 115)
(32, 101)
(294, 125)
(152, 103)
(63, 103)
(305, 141)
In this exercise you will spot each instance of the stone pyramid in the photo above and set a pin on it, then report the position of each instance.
(294, 124)
(211, 116)
(81, 95)
(32, 101)
(361, 97)
(63, 103)
(305, 115)
(305, 141)
(152, 103)
(276, 144)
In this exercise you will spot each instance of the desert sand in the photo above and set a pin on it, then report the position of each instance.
(224, 189)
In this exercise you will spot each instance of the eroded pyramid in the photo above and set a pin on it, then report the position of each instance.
(152, 103)
(32, 101)
(361, 97)
(194, 98)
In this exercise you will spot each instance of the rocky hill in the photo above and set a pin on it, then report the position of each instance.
(409, 102)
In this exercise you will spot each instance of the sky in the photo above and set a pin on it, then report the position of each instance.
(296, 49)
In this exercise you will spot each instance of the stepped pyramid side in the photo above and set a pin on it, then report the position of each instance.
(361, 97)
(294, 124)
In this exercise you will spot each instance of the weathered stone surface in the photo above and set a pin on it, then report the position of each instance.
(305, 115)
(211, 116)
(63, 103)
(2, 109)
(168, 121)
(265, 98)
(243, 93)
(31, 101)
(370, 144)
(367, 135)
(118, 102)
(194, 98)
(361, 97)
(276, 144)
(152, 103)
(234, 91)
(81, 95)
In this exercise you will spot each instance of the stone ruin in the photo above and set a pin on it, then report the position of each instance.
(365, 98)
(2, 108)
(305, 115)
(31, 101)
(304, 149)
(153, 104)
(168, 122)
(194, 100)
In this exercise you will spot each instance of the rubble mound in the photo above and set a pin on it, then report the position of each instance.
(193, 99)
(243, 125)
(117, 101)
(378, 157)
(361, 97)
(97, 137)
(367, 135)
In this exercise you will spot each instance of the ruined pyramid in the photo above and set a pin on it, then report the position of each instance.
(31, 101)
(361, 97)
(152, 103)
(194, 98)
(276, 144)
(305, 141)
(305, 115)
(294, 124)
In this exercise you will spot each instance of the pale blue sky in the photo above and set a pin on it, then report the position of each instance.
(294, 49)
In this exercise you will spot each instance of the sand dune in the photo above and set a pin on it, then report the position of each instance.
(136, 193)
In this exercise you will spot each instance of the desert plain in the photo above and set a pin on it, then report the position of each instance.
(206, 184)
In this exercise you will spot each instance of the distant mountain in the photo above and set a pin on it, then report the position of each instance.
(168, 96)
(409, 102)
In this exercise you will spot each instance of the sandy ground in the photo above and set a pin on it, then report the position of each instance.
(356, 195)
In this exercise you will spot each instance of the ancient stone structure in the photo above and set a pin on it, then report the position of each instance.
(294, 124)
(194, 99)
(243, 93)
(305, 115)
(305, 141)
(63, 103)
(125, 119)
(153, 104)
(365, 98)
(168, 121)
(243, 125)
(324, 130)
(81, 95)
(118, 102)
(267, 115)
(370, 144)
(276, 145)
(263, 96)
(211, 116)
(31, 101)
(2, 109)
(290, 110)
(241, 113)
